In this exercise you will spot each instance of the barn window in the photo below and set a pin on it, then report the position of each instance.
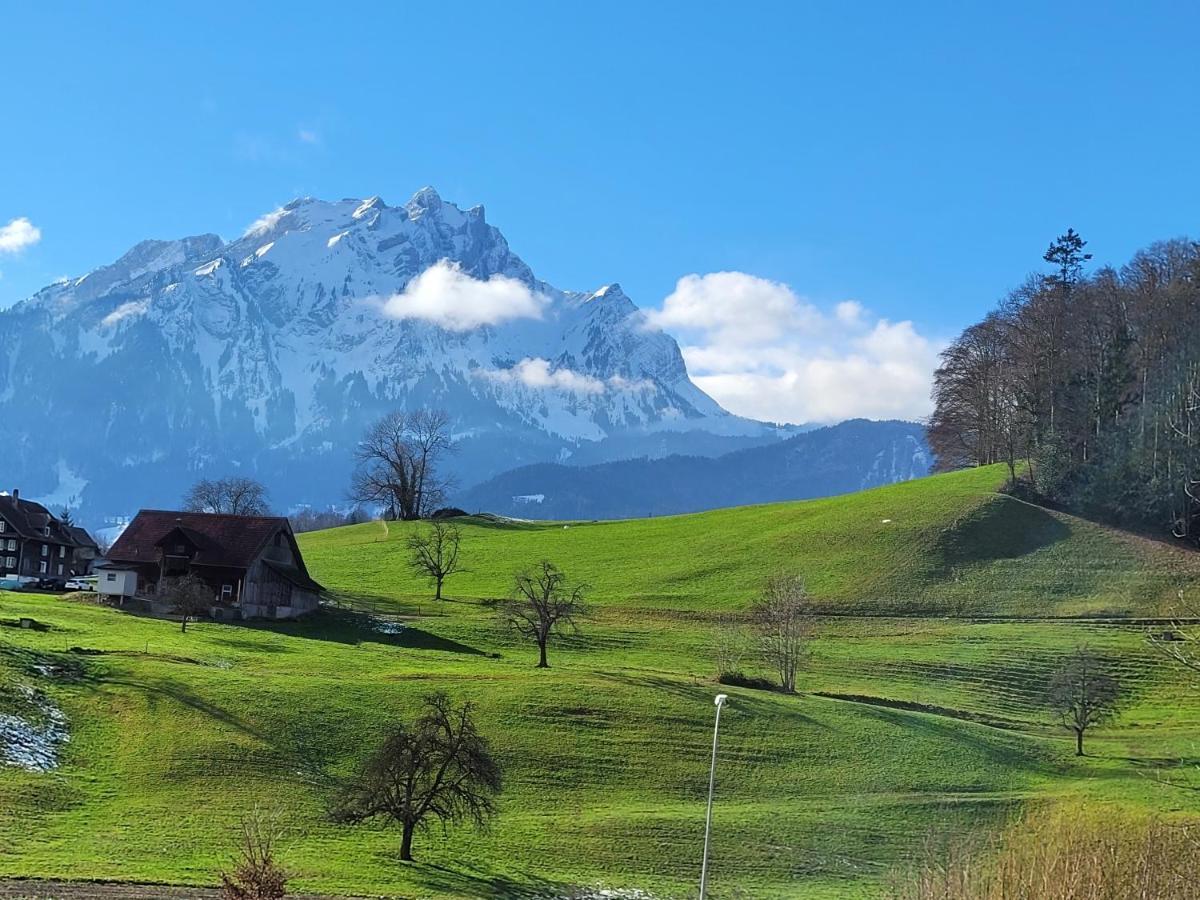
(226, 592)
(12, 562)
(60, 568)
(62, 552)
(110, 576)
(45, 549)
(42, 568)
(3, 525)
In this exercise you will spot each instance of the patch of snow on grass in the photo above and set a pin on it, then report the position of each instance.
(28, 745)
(388, 626)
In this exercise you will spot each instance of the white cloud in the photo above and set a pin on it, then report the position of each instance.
(535, 372)
(761, 351)
(265, 223)
(308, 136)
(17, 235)
(125, 311)
(448, 297)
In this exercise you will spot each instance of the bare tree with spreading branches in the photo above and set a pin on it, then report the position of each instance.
(782, 620)
(1082, 694)
(235, 496)
(439, 768)
(189, 597)
(398, 462)
(542, 605)
(433, 552)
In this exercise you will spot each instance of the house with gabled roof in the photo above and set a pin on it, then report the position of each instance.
(252, 563)
(35, 544)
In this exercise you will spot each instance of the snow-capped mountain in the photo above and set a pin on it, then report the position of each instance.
(270, 353)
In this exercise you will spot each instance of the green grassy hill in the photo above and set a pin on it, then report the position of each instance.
(944, 596)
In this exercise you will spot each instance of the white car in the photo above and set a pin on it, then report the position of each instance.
(79, 584)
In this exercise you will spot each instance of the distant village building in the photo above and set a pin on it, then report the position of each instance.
(36, 544)
(252, 563)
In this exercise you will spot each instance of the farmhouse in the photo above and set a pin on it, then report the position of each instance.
(36, 544)
(252, 563)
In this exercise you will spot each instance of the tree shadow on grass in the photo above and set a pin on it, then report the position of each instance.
(1029, 759)
(177, 693)
(743, 701)
(470, 881)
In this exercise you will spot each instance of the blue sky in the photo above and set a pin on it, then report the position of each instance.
(913, 158)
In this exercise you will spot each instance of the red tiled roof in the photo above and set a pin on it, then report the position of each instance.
(232, 541)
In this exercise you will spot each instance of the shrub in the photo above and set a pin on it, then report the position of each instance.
(741, 679)
(257, 875)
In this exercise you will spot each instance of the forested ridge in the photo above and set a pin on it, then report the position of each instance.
(1087, 385)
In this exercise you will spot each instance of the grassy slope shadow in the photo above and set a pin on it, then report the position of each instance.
(1004, 528)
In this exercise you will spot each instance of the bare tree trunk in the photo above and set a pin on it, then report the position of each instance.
(542, 664)
(437, 594)
(1079, 742)
(406, 842)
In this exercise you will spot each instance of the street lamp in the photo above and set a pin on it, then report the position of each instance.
(721, 700)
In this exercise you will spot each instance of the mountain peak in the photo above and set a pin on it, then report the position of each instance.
(426, 199)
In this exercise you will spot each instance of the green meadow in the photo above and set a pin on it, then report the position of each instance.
(945, 607)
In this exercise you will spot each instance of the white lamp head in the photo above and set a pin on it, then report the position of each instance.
(721, 699)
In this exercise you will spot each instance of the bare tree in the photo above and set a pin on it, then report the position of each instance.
(235, 496)
(1082, 694)
(257, 875)
(189, 597)
(439, 768)
(543, 605)
(783, 622)
(731, 645)
(398, 462)
(433, 552)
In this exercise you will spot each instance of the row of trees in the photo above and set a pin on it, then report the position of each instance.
(398, 471)
(1093, 379)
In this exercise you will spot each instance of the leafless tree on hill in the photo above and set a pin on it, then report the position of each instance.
(542, 605)
(783, 623)
(439, 768)
(433, 552)
(236, 495)
(1082, 694)
(398, 461)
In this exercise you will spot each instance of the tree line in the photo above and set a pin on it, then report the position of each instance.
(1087, 386)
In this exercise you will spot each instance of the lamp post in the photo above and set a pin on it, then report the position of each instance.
(720, 701)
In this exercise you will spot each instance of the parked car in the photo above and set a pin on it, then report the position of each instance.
(79, 584)
(44, 584)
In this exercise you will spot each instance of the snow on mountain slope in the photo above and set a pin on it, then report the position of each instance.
(269, 354)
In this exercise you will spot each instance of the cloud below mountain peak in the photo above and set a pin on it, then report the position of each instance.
(448, 297)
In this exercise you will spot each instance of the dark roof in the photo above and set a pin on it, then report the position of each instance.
(29, 519)
(220, 540)
(81, 537)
